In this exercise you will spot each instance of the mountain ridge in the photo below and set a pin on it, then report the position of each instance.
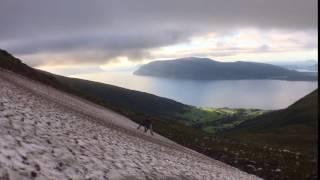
(207, 69)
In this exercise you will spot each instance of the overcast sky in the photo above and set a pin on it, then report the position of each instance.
(107, 32)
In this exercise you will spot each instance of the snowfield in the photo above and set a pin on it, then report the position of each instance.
(48, 134)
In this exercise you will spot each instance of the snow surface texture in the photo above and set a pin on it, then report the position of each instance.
(46, 138)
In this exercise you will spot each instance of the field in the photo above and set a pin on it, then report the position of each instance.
(214, 120)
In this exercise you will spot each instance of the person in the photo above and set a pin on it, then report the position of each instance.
(142, 124)
(147, 124)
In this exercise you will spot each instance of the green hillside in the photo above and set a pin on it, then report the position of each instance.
(9, 62)
(121, 98)
(215, 120)
(295, 127)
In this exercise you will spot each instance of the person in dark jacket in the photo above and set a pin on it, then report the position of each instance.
(147, 124)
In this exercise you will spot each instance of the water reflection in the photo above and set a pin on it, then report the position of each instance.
(263, 94)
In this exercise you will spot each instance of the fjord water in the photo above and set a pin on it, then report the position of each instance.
(260, 94)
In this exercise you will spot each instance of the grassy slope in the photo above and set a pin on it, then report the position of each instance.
(124, 99)
(295, 127)
(260, 160)
(9, 62)
(214, 120)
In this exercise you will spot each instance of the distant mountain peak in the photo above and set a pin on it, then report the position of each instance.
(197, 58)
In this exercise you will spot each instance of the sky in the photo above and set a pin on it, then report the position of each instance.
(94, 35)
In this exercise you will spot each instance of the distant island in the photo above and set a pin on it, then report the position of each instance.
(207, 69)
(302, 66)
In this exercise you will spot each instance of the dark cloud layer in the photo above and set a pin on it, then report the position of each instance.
(132, 27)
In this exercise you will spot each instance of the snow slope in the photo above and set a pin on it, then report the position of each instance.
(48, 134)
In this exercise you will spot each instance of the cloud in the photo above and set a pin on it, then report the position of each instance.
(241, 42)
(99, 30)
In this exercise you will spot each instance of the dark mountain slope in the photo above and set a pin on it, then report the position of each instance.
(9, 62)
(295, 126)
(122, 98)
(207, 69)
(113, 97)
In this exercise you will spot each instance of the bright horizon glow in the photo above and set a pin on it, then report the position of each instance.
(248, 44)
